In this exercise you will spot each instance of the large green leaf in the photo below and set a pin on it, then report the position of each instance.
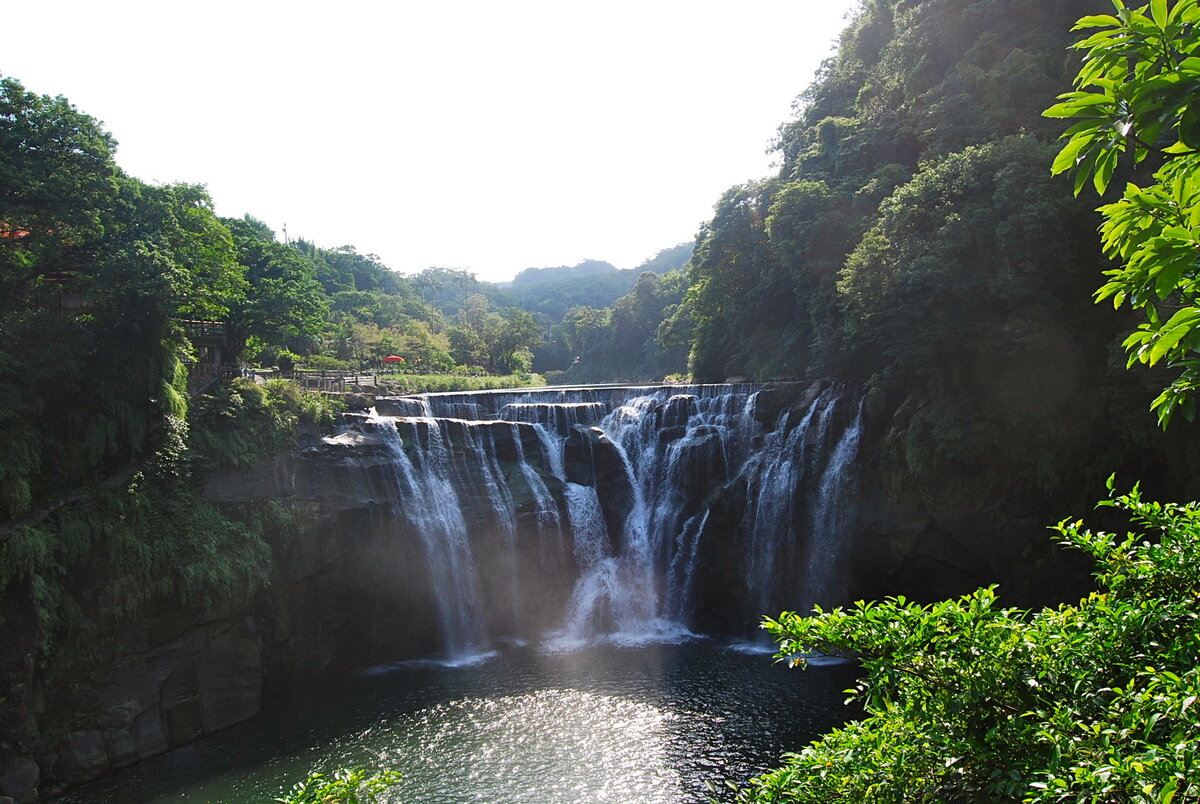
(1189, 126)
(1158, 11)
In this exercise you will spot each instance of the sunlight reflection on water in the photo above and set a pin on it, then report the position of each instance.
(564, 745)
(651, 725)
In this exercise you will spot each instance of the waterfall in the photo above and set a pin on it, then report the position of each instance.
(428, 500)
(621, 514)
(683, 566)
(775, 474)
(547, 508)
(590, 606)
(829, 515)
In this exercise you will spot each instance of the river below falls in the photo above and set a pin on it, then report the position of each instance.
(603, 724)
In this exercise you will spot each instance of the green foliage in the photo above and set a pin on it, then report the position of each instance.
(967, 701)
(1135, 98)
(241, 422)
(142, 545)
(354, 786)
(736, 292)
(96, 269)
(149, 541)
(281, 302)
(325, 363)
(912, 86)
(460, 380)
(948, 296)
(631, 340)
(553, 291)
(502, 341)
(445, 291)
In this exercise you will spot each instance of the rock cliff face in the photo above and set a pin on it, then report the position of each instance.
(455, 522)
(175, 679)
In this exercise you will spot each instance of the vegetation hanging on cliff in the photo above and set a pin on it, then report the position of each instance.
(151, 542)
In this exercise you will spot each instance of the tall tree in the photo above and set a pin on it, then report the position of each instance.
(96, 268)
(281, 299)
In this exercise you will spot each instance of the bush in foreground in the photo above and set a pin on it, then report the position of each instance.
(969, 702)
(355, 786)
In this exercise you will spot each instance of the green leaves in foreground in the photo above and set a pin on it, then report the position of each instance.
(354, 786)
(969, 702)
(1138, 95)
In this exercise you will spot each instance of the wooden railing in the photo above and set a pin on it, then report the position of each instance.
(211, 330)
(202, 375)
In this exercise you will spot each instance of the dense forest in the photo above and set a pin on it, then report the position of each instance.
(912, 241)
(915, 243)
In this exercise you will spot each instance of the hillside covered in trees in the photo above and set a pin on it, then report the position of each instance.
(912, 237)
(1088, 701)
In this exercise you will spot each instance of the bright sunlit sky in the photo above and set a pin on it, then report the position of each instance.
(491, 136)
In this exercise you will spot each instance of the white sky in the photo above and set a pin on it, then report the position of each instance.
(492, 136)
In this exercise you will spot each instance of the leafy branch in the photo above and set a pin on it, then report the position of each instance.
(1136, 95)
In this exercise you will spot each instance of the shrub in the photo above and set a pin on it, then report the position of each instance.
(344, 787)
(969, 702)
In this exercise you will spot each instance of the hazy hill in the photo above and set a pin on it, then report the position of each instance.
(591, 283)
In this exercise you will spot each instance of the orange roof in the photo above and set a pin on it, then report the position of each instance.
(9, 231)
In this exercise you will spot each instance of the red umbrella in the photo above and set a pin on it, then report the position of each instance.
(393, 359)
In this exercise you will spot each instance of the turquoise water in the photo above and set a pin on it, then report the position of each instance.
(604, 724)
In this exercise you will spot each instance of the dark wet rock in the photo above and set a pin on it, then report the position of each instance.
(800, 404)
(399, 406)
(590, 458)
(19, 780)
(358, 400)
(699, 460)
(772, 400)
(676, 411)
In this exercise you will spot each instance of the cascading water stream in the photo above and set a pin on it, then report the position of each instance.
(548, 519)
(683, 567)
(590, 607)
(634, 596)
(781, 477)
(829, 515)
(427, 499)
(619, 484)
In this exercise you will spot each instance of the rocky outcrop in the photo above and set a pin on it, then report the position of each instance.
(164, 694)
(19, 778)
(200, 682)
(590, 458)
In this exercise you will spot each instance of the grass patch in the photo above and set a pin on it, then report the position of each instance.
(435, 383)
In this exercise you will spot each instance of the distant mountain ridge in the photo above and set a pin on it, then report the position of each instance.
(591, 283)
(537, 276)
